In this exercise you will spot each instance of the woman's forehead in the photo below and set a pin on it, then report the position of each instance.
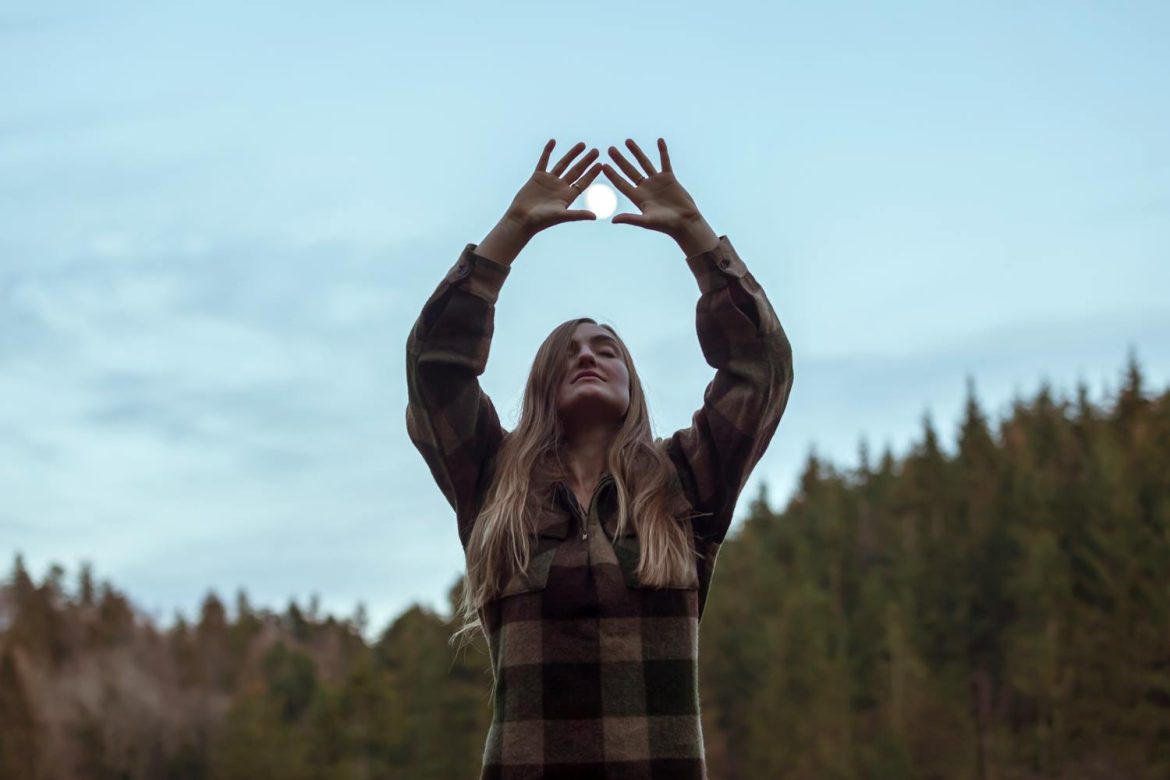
(588, 331)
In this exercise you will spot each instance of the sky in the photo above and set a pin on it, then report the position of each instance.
(219, 221)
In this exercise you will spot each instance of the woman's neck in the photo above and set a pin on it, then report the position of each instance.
(585, 454)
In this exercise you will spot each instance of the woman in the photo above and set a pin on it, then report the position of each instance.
(590, 544)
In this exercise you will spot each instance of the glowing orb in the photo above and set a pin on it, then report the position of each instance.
(601, 200)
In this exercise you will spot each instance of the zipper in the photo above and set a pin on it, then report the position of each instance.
(584, 518)
(592, 503)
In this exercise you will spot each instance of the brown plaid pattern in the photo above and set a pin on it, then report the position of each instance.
(596, 675)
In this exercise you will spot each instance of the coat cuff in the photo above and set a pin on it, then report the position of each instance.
(714, 268)
(483, 277)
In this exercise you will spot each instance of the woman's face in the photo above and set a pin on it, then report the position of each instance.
(603, 397)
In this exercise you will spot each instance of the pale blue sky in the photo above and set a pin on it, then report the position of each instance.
(218, 223)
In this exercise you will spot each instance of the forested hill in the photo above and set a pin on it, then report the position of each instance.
(997, 612)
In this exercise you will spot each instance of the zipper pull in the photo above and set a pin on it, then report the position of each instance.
(582, 518)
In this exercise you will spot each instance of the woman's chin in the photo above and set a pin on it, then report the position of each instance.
(594, 410)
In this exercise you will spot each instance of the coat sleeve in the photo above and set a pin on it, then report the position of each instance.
(741, 338)
(449, 418)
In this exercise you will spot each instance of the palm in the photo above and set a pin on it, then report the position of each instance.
(549, 195)
(544, 199)
(661, 216)
(664, 203)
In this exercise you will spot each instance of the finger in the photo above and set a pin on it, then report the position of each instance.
(581, 165)
(577, 215)
(544, 155)
(588, 178)
(642, 158)
(629, 219)
(569, 155)
(624, 186)
(626, 166)
(665, 156)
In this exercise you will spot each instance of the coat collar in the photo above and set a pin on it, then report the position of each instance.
(556, 521)
(566, 497)
(604, 496)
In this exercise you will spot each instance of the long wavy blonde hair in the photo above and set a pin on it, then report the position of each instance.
(528, 464)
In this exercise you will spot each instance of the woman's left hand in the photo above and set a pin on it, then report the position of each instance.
(666, 206)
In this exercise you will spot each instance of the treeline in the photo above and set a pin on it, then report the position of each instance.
(89, 688)
(1001, 612)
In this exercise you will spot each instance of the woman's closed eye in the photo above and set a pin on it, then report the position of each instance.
(609, 353)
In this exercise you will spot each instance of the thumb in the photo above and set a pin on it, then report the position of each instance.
(629, 219)
(578, 214)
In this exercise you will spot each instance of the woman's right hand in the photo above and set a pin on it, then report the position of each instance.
(544, 199)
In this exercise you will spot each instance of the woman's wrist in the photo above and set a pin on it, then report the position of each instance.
(696, 237)
(505, 240)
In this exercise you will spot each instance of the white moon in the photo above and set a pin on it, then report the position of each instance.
(600, 200)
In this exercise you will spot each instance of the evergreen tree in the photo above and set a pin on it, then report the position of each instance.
(212, 638)
(85, 586)
(19, 732)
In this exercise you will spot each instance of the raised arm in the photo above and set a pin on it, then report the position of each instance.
(449, 418)
(740, 336)
(742, 339)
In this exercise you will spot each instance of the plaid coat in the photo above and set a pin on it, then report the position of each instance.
(596, 674)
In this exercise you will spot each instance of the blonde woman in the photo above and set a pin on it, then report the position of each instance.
(590, 544)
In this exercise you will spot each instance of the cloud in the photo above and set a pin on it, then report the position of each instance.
(182, 400)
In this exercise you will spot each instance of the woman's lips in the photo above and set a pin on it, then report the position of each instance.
(587, 375)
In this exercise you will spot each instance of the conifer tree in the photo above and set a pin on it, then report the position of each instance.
(19, 732)
(85, 587)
